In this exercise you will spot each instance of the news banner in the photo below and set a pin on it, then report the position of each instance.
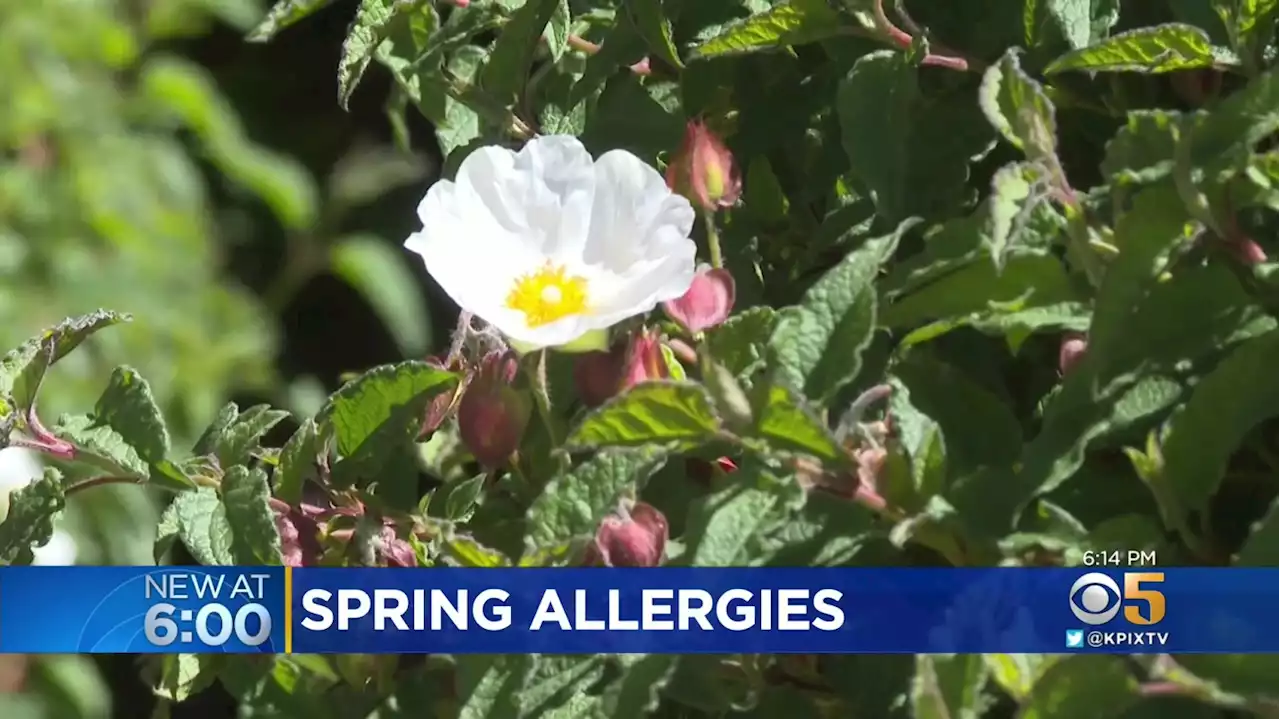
(244, 610)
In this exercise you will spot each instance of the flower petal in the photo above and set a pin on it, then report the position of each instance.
(469, 253)
(635, 216)
(542, 193)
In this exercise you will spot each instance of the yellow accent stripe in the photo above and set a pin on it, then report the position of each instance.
(288, 610)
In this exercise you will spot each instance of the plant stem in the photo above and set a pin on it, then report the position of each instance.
(99, 482)
(713, 240)
(542, 397)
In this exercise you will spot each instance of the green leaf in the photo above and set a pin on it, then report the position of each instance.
(297, 462)
(557, 683)
(378, 412)
(508, 69)
(462, 496)
(283, 14)
(487, 684)
(203, 527)
(1156, 49)
(1261, 549)
(1240, 393)
(1018, 192)
(185, 675)
(1139, 323)
(29, 521)
(1080, 686)
(979, 426)
(241, 438)
(723, 526)
(650, 19)
(794, 22)
(558, 30)
(208, 441)
(877, 135)
(378, 271)
(1142, 151)
(1238, 122)
(367, 31)
(818, 345)
(572, 505)
(1019, 109)
(921, 438)
(101, 447)
(23, 369)
(1082, 21)
(646, 413)
(948, 685)
(636, 694)
(459, 125)
(245, 495)
(741, 342)
(467, 552)
(786, 422)
(1251, 24)
(1029, 279)
(128, 407)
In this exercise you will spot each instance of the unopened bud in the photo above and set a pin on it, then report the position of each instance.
(492, 415)
(631, 538)
(644, 360)
(703, 169)
(597, 375)
(702, 471)
(1248, 252)
(394, 551)
(299, 537)
(1071, 352)
(707, 303)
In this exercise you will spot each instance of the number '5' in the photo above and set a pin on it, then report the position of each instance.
(1154, 598)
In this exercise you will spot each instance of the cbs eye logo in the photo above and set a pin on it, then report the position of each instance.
(1096, 599)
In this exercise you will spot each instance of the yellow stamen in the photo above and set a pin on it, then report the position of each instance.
(548, 295)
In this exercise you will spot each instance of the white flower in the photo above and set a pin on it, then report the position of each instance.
(18, 468)
(547, 245)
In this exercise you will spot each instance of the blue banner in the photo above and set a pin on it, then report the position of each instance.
(665, 610)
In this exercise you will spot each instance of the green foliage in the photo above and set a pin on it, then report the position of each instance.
(927, 215)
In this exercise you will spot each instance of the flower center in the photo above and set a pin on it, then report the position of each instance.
(548, 295)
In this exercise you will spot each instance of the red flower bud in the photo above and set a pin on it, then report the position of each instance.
(707, 303)
(703, 169)
(492, 415)
(597, 375)
(631, 538)
(644, 360)
(1071, 352)
(702, 471)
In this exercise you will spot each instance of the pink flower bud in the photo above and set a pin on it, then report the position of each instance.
(707, 303)
(644, 360)
(395, 551)
(703, 169)
(1071, 352)
(492, 415)
(597, 375)
(1247, 251)
(631, 538)
(299, 536)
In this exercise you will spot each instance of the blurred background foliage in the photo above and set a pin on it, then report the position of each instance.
(154, 162)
